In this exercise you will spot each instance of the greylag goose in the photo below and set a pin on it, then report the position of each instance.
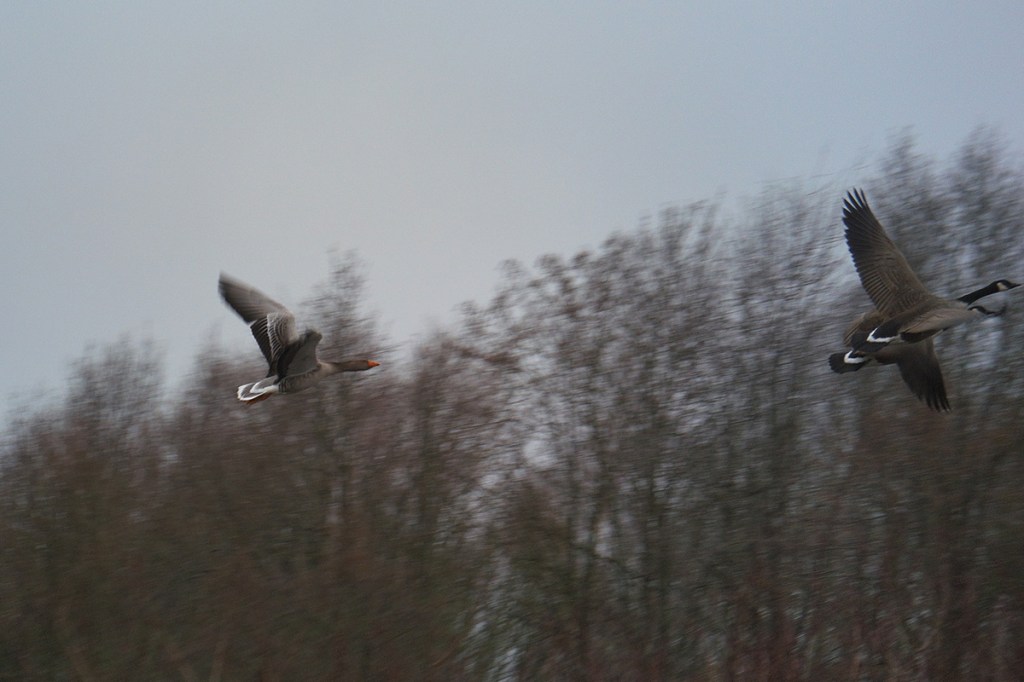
(907, 315)
(294, 365)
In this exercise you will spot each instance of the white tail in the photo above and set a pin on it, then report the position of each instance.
(260, 390)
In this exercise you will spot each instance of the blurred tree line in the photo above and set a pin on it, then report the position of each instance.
(630, 464)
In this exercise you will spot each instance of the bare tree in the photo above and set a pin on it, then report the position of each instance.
(632, 463)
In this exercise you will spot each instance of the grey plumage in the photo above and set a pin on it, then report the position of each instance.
(292, 359)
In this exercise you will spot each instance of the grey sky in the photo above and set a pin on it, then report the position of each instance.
(144, 147)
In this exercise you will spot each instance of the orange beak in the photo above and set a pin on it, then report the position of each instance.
(371, 363)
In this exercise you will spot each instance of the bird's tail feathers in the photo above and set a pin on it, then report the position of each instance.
(258, 390)
(841, 363)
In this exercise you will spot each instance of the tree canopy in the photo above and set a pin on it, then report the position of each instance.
(632, 463)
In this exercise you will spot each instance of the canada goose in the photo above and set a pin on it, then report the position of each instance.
(294, 365)
(906, 314)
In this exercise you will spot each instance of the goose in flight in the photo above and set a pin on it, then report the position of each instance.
(294, 365)
(906, 316)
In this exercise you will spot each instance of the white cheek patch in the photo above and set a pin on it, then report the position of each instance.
(851, 359)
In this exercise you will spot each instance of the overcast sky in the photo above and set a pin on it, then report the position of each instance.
(146, 146)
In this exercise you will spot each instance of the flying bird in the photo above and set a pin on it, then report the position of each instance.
(294, 365)
(906, 316)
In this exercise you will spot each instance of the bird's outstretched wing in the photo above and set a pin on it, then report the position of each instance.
(299, 357)
(272, 325)
(887, 277)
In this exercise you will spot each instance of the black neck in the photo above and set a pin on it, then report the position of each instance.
(980, 293)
